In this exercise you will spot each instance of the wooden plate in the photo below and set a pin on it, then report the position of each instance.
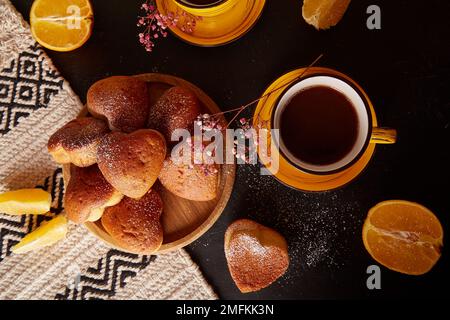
(183, 220)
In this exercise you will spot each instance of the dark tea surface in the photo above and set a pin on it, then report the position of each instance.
(319, 125)
(200, 2)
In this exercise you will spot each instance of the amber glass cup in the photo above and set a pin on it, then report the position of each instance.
(304, 176)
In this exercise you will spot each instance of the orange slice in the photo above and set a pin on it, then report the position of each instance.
(62, 25)
(403, 236)
(323, 14)
(25, 201)
(46, 234)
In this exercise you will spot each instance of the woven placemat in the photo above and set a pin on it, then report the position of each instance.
(35, 101)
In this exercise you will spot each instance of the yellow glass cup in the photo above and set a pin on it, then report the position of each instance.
(217, 23)
(219, 18)
(291, 174)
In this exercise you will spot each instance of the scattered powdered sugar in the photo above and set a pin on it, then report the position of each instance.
(319, 227)
(247, 245)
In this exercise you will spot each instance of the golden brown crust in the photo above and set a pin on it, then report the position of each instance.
(132, 162)
(77, 141)
(87, 194)
(256, 255)
(177, 108)
(196, 182)
(135, 224)
(192, 175)
(122, 101)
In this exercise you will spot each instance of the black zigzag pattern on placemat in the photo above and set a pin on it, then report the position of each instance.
(14, 228)
(98, 282)
(25, 86)
(110, 273)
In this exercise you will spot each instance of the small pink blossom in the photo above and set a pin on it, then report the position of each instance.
(155, 24)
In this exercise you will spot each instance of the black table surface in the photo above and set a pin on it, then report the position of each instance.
(404, 67)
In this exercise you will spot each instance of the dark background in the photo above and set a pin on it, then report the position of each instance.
(405, 69)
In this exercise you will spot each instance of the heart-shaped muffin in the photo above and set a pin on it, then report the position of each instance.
(77, 141)
(122, 101)
(132, 162)
(177, 108)
(187, 178)
(193, 182)
(135, 224)
(88, 194)
(256, 255)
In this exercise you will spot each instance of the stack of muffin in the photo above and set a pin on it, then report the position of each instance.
(118, 153)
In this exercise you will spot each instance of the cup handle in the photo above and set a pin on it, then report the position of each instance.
(383, 136)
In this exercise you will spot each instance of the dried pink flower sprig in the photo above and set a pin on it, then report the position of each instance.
(209, 122)
(155, 24)
(204, 160)
(246, 154)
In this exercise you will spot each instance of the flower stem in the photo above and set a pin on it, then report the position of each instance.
(241, 109)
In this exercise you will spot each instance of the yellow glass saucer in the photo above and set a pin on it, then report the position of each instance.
(215, 29)
(291, 175)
